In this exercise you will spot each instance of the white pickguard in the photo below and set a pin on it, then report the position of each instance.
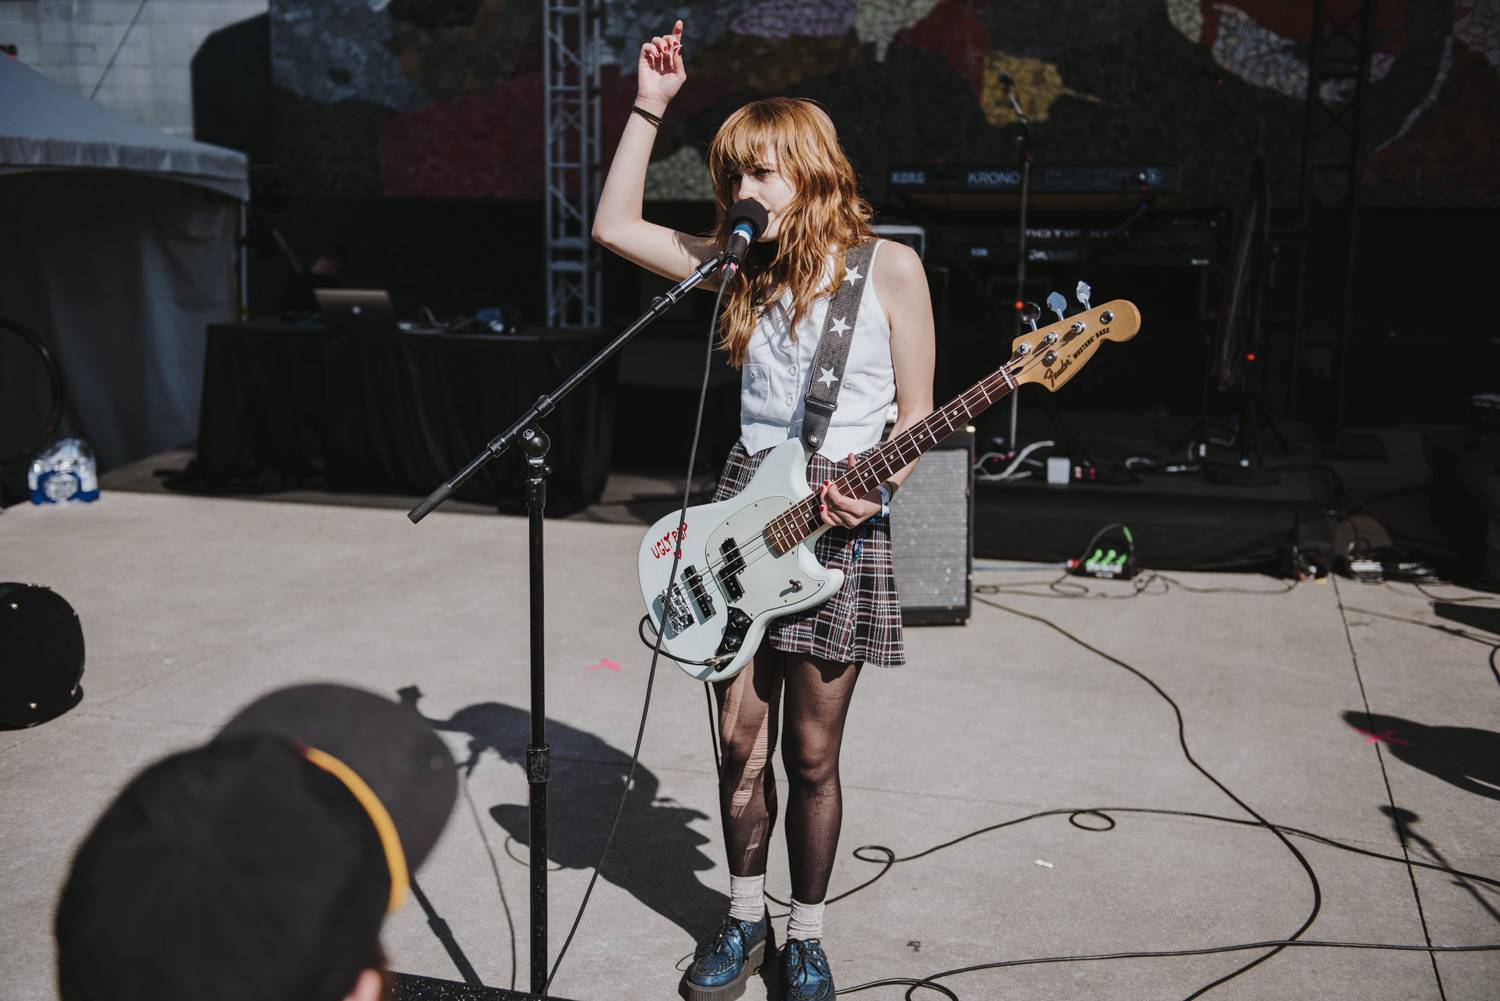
(772, 585)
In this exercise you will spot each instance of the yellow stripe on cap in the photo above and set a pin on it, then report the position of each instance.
(395, 858)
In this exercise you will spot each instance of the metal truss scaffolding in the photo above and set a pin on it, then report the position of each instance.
(570, 73)
(1338, 77)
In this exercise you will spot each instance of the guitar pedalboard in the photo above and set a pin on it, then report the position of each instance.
(1107, 563)
(1110, 555)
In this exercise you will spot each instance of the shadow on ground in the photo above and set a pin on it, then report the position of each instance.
(1463, 756)
(1477, 616)
(657, 854)
(1405, 823)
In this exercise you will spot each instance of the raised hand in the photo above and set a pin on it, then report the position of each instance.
(660, 72)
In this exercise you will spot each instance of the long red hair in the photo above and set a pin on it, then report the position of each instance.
(827, 216)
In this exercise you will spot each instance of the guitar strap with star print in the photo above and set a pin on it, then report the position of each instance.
(833, 348)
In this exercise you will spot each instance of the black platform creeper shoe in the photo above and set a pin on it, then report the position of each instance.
(804, 971)
(729, 957)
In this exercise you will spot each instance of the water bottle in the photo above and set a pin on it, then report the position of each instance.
(64, 474)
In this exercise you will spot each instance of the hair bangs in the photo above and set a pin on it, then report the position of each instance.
(740, 147)
(827, 216)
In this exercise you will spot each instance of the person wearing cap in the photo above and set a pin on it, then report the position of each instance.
(260, 866)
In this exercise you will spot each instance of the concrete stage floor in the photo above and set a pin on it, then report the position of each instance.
(1325, 708)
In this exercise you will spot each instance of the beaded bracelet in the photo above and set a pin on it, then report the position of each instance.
(648, 116)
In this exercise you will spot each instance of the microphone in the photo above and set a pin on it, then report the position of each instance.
(1009, 83)
(747, 220)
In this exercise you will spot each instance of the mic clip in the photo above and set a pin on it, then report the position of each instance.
(714, 263)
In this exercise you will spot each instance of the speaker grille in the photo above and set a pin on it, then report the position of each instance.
(932, 536)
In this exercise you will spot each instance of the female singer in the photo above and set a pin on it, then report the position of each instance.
(784, 153)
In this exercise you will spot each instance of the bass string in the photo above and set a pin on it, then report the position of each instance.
(802, 521)
(799, 517)
(758, 550)
(761, 547)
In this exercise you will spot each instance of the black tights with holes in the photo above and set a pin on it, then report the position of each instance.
(816, 697)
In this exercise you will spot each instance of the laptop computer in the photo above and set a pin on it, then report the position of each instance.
(356, 310)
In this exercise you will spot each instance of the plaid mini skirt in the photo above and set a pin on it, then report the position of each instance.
(860, 623)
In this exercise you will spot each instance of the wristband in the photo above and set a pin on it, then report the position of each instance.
(885, 500)
(648, 116)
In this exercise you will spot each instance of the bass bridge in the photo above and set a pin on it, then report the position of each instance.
(675, 610)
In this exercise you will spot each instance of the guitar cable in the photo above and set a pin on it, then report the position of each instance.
(888, 859)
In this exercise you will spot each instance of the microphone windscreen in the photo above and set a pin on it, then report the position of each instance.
(751, 211)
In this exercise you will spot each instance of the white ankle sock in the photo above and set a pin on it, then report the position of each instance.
(806, 921)
(747, 897)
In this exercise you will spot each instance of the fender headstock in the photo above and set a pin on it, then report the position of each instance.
(1051, 355)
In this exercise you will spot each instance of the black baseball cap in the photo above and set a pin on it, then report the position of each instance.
(260, 866)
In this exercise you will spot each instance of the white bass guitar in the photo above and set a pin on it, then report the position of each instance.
(749, 559)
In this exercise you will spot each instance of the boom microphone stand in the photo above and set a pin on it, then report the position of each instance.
(1023, 155)
(534, 443)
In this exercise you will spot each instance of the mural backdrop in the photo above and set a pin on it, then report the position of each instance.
(443, 98)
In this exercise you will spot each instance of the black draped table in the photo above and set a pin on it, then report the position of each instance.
(300, 406)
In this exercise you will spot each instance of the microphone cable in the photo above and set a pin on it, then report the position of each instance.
(635, 755)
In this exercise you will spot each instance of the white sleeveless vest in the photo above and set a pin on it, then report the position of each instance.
(777, 373)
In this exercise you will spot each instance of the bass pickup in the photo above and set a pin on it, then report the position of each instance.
(700, 594)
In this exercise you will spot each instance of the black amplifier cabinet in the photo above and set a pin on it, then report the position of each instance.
(932, 534)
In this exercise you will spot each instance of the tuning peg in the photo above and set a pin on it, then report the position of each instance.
(1057, 304)
(1083, 292)
(1030, 312)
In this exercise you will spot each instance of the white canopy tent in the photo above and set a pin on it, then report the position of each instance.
(119, 248)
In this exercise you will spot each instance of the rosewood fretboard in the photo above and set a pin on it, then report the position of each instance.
(794, 525)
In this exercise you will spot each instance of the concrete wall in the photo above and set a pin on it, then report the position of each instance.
(73, 41)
